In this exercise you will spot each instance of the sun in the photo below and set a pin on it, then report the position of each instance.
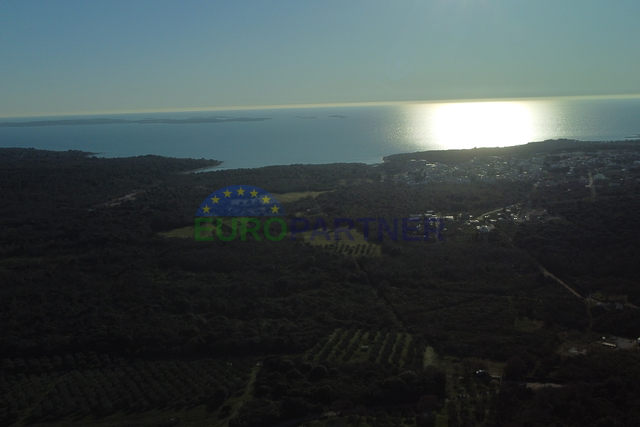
(473, 124)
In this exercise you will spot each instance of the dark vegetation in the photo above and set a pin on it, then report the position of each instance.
(101, 315)
(285, 389)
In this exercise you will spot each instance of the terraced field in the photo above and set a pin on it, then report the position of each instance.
(357, 345)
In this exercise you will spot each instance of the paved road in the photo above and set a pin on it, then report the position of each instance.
(481, 217)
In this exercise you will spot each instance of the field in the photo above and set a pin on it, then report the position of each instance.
(95, 390)
(385, 347)
(356, 247)
(469, 398)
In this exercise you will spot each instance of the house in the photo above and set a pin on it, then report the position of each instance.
(483, 229)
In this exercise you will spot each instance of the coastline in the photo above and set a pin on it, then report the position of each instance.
(248, 139)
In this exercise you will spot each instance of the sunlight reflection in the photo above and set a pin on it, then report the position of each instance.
(473, 124)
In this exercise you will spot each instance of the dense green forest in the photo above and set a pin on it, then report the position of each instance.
(106, 321)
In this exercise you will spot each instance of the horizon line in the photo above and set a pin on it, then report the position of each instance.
(322, 105)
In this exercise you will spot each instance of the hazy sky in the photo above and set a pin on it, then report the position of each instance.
(92, 56)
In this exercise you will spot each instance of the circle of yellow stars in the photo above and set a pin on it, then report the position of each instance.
(241, 191)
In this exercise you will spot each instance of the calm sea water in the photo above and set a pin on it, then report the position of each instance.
(340, 134)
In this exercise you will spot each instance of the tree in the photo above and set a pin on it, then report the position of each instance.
(515, 369)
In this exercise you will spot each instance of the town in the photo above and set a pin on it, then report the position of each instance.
(570, 169)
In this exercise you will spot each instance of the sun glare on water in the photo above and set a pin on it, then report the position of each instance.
(472, 124)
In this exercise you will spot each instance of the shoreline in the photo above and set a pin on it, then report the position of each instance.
(528, 148)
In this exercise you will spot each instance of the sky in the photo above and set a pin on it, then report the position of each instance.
(88, 56)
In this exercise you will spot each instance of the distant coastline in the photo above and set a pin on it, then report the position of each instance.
(78, 122)
(257, 138)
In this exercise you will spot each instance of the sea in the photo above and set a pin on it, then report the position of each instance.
(337, 133)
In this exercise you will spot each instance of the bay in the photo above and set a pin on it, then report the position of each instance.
(330, 134)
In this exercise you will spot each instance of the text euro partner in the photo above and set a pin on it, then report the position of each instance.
(405, 229)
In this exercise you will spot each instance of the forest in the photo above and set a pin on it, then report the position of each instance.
(106, 320)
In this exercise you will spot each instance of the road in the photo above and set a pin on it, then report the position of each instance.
(481, 217)
(236, 402)
(544, 271)
(593, 187)
(547, 274)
